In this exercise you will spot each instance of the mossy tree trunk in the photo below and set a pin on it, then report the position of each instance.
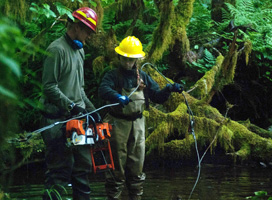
(240, 140)
(171, 30)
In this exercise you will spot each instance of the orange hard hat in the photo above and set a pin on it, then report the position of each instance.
(86, 15)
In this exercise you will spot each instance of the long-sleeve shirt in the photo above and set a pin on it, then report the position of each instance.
(116, 78)
(63, 75)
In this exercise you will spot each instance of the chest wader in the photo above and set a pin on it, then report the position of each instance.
(65, 164)
(128, 148)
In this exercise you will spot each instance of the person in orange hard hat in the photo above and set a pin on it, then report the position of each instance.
(120, 85)
(64, 97)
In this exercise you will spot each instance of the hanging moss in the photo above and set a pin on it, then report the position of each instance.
(228, 65)
(260, 131)
(162, 36)
(244, 152)
(229, 73)
(122, 4)
(225, 138)
(98, 65)
(178, 149)
(248, 49)
(16, 9)
(164, 124)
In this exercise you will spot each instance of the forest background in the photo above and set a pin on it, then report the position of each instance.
(221, 50)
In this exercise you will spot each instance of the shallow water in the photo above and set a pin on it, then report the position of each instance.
(217, 182)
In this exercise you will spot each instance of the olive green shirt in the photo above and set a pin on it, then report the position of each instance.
(63, 76)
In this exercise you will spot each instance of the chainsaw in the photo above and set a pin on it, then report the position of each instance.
(80, 132)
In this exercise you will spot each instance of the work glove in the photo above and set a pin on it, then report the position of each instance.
(123, 100)
(96, 116)
(78, 110)
(175, 87)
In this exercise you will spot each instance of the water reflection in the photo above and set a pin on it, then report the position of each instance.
(215, 183)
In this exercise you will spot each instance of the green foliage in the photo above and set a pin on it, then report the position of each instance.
(54, 192)
(121, 28)
(12, 41)
(146, 30)
(43, 11)
(204, 64)
(200, 22)
(143, 28)
(108, 19)
(260, 195)
(255, 21)
(107, 2)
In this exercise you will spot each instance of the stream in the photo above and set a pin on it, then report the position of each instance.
(216, 182)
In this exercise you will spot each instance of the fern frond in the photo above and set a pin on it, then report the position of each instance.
(246, 5)
(208, 56)
(226, 16)
(232, 9)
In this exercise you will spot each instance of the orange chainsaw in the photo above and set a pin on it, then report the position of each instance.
(80, 132)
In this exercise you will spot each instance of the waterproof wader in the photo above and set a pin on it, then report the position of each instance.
(128, 149)
(65, 164)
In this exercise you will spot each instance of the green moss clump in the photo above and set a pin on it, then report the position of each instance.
(207, 82)
(248, 49)
(98, 65)
(178, 149)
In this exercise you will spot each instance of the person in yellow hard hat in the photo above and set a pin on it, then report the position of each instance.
(128, 133)
(64, 97)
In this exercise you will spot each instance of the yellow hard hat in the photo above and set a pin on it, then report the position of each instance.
(130, 47)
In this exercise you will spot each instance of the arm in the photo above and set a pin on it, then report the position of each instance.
(89, 105)
(155, 94)
(50, 79)
(106, 89)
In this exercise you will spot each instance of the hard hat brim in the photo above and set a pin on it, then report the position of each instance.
(120, 52)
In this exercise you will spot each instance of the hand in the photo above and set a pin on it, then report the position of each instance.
(96, 116)
(176, 87)
(78, 110)
(123, 100)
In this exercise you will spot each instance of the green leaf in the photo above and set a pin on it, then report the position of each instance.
(33, 9)
(196, 47)
(12, 64)
(63, 9)
(48, 13)
(260, 193)
(46, 6)
(7, 92)
(93, 3)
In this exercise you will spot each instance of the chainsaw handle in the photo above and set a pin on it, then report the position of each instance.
(94, 127)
